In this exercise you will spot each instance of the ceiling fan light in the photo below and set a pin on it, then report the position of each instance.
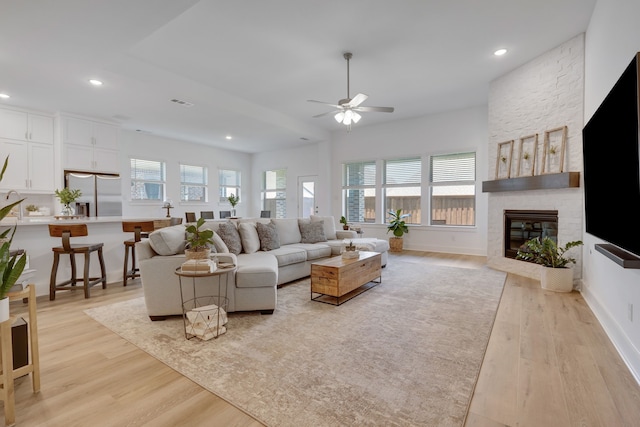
(347, 120)
(356, 117)
(339, 117)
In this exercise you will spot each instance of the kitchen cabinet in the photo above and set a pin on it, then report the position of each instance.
(24, 126)
(30, 167)
(90, 145)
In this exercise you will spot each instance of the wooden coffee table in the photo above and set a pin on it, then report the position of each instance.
(343, 279)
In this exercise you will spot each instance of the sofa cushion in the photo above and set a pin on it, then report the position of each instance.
(289, 254)
(219, 244)
(329, 225)
(288, 230)
(229, 234)
(256, 270)
(314, 250)
(168, 240)
(268, 235)
(249, 237)
(311, 232)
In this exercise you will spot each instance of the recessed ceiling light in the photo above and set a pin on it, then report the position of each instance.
(95, 82)
(500, 52)
(4, 96)
(228, 137)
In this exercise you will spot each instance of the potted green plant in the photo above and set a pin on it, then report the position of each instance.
(557, 274)
(398, 226)
(31, 209)
(11, 266)
(66, 197)
(233, 201)
(197, 241)
(343, 221)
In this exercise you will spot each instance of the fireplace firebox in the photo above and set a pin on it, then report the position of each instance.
(523, 225)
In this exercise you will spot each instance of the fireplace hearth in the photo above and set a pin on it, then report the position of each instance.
(523, 225)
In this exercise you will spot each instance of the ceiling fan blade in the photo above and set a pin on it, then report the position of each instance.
(358, 99)
(328, 112)
(325, 103)
(378, 109)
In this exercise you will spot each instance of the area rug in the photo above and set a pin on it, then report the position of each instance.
(405, 353)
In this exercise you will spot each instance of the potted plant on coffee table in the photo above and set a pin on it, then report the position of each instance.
(398, 226)
(557, 274)
(197, 241)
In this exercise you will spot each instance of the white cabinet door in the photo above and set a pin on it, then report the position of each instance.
(16, 175)
(41, 170)
(106, 160)
(78, 157)
(77, 131)
(13, 124)
(40, 128)
(105, 136)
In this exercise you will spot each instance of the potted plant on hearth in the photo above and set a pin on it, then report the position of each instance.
(398, 226)
(11, 267)
(557, 274)
(233, 201)
(197, 241)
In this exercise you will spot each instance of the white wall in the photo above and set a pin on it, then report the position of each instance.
(454, 131)
(173, 152)
(612, 39)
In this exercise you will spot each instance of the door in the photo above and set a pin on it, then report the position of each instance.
(307, 186)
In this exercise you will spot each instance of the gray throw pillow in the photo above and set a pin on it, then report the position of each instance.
(312, 232)
(268, 235)
(230, 236)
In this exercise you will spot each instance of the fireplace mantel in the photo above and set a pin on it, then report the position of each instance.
(536, 182)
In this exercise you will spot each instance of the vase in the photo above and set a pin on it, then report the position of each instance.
(4, 309)
(201, 254)
(233, 212)
(67, 210)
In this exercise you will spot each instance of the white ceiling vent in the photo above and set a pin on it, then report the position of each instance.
(183, 103)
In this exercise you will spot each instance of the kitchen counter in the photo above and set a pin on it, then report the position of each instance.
(32, 235)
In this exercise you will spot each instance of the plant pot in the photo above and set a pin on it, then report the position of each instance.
(395, 244)
(345, 227)
(557, 279)
(4, 309)
(201, 254)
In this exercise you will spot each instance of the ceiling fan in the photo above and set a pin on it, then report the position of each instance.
(347, 109)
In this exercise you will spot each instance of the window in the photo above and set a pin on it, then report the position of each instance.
(193, 183)
(229, 184)
(453, 189)
(274, 192)
(402, 188)
(147, 180)
(359, 191)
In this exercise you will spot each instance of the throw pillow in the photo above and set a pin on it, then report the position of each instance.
(168, 240)
(268, 235)
(312, 232)
(329, 225)
(219, 244)
(230, 236)
(288, 230)
(249, 237)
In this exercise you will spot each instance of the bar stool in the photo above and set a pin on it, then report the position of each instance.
(66, 231)
(140, 229)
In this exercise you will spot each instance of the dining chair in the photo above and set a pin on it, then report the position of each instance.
(190, 216)
(206, 214)
(225, 214)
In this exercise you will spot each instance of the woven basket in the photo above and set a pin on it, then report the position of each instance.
(201, 254)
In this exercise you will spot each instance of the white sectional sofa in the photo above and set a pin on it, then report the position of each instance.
(253, 287)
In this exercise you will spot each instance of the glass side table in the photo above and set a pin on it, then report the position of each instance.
(205, 316)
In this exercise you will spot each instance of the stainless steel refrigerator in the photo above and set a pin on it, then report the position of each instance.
(101, 193)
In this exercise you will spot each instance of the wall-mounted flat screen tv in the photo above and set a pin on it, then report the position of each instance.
(611, 165)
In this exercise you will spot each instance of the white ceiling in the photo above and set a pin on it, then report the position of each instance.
(249, 66)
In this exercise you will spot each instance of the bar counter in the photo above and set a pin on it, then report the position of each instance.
(32, 235)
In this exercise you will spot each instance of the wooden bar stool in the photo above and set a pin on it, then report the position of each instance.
(66, 231)
(140, 229)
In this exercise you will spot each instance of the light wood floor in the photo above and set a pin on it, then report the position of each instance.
(548, 363)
